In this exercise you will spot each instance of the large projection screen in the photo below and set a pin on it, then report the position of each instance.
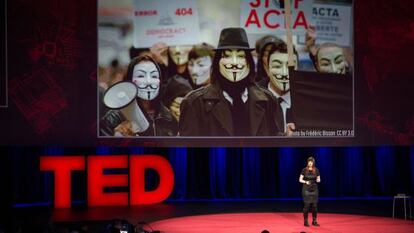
(346, 86)
(321, 109)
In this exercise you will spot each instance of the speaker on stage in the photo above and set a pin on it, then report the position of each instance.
(122, 96)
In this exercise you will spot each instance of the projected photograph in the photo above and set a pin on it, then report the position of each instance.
(225, 69)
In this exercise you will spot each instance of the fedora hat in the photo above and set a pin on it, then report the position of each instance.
(233, 38)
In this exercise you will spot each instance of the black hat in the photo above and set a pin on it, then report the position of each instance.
(233, 38)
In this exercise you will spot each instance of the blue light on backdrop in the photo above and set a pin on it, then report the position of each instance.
(226, 174)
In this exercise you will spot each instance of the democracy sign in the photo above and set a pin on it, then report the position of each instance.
(267, 16)
(333, 23)
(174, 22)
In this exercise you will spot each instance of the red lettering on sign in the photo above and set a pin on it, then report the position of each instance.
(257, 4)
(146, 13)
(297, 3)
(300, 21)
(266, 19)
(184, 11)
(165, 31)
(253, 19)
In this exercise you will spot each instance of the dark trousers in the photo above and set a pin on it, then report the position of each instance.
(307, 206)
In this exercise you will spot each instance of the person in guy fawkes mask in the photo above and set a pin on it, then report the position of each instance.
(261, 44)
(200, 60)
(275, 64)
(199, 67)
(327, 57)
(177, 82)
(330, 58)
(177, 61)
(172, 60)
(146, 74)
(232, 105)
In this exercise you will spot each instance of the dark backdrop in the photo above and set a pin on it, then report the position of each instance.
(3, 79)
(229, 173)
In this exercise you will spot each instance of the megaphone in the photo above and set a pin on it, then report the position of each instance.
(121, 96)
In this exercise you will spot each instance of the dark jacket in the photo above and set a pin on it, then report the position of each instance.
(206, 112)
(176, 86)
(264, 83)
(163, 124)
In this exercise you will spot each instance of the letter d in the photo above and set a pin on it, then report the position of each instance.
(138, 164)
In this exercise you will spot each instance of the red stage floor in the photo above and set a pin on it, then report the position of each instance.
(281, 222)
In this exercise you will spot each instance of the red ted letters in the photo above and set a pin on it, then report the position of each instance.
(63, 166)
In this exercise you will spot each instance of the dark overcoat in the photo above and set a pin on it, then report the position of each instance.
(206, 112)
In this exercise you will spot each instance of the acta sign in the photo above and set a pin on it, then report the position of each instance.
(262, 14)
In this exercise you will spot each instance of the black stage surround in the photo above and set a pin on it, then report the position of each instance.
(52, 69)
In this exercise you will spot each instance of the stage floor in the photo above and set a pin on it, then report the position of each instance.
(364, 216)
(151, 213)
(280, 222)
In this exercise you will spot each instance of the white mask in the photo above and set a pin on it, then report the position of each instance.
(179, 54)
(278, 71)
(233, 65)
(200, 70)
(331, 60)
(147, 78)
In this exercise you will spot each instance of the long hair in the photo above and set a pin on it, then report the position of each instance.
(155, 103)
(200, 50)
(313, 164)
(215, 70)
(135, 61)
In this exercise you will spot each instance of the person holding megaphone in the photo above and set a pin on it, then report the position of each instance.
(136, 103)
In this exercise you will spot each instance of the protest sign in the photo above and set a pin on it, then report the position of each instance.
(174, 22)
(266, 16)
(333, 23)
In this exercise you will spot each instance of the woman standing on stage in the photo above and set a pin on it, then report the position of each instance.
(309, 177)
